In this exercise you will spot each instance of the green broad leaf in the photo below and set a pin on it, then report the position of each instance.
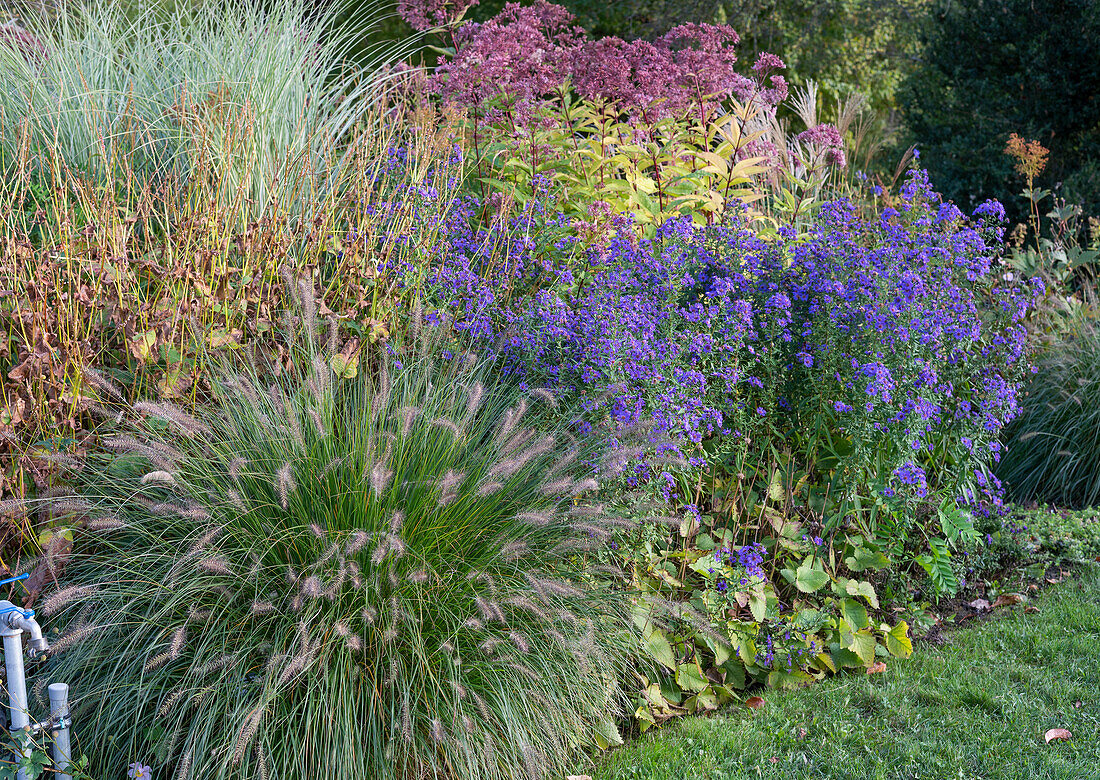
(645, 718)
(862, 643)
(844, 658)
(660, 649)
(824, 661)
(758, 605)
(691, 678)
(854, 614)
(866, 560)
(809, 580)
(735, 673)
(775, 488)
(789, 680)
(746, 649)
(704, 701)
(865, 589)
(705, 542)
(606, 734)
(898, 642)
(721, 650)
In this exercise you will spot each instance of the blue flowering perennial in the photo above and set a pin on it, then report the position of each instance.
(899, 334)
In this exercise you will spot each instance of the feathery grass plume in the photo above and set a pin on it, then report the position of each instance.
(408, 415)
(236, 466)
(544, 395)
(203, 542)
(450, 425)
(318, 423)
(432, 558)
(380, 477)
(236, 500)
(541, 518)
(247, 733)
(158, 476)
(285, 485)
(489, 488)
(448, 486)
(67, 506)
(62, 460)
(184, 769)
(356, 542)
(66, 596)
(101, 383)
(510, 420)
(331, 466)
(134, 446)
(172, 414)
(216, 566)
(474, 397)
(72, 637)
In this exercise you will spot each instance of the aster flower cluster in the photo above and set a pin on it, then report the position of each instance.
(742, 567)
(898, 332)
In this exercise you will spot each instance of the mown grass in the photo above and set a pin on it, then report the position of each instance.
(977, 707)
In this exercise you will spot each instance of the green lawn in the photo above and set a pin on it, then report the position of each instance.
(975, 708)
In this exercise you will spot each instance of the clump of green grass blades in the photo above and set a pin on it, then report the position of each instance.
(245, 108)
(1052, 450)
(348, 578)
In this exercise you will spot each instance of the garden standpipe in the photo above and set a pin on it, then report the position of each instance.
(13, 622)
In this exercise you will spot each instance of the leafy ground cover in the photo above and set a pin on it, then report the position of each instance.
(977, 706)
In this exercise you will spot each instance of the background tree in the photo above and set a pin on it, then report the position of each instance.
(993, 67)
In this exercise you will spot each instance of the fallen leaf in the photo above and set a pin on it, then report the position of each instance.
(1031, 609)
(1078, 704)
(803, 732)
(774, 760)
(578, 777)
(877, 668)
(754, 702)
(979, 604)
(1056, 734)
(1007, 599)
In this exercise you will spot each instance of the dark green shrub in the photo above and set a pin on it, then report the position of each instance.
(993, 67)
(1052, 450)
(358, 578)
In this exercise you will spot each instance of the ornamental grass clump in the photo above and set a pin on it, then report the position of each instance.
(1052, 450)
(368, 577)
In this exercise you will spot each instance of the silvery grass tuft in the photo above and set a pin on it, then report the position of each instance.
(374, 577)
(243, 106)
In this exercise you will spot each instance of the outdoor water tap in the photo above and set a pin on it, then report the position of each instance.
(23, 619)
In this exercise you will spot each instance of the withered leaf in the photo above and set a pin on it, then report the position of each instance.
(1057, 734)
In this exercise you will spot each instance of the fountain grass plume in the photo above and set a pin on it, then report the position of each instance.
(430, 620)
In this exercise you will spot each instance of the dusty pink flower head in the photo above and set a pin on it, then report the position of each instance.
(825, 140)
(704, 56)
(766, 63)
(513, 61)
(426, 14)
